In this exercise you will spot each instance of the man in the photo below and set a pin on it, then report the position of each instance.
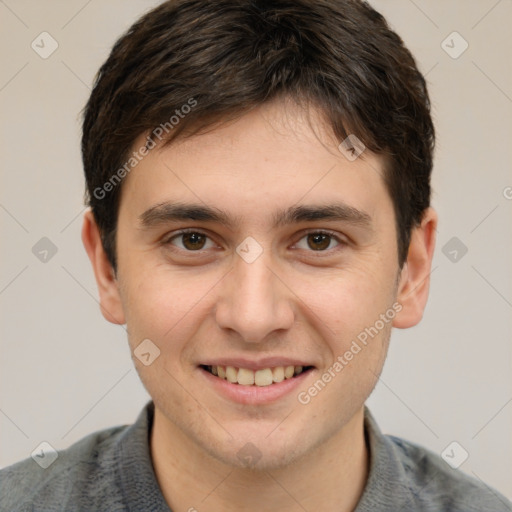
(259, 180)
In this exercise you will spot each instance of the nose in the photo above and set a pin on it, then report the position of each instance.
(254, 301)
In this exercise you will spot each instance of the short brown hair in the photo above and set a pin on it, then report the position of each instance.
(228, 56)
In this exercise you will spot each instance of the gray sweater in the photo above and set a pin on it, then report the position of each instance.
(111, 470)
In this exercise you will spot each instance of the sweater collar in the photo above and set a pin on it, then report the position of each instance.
(386, 488)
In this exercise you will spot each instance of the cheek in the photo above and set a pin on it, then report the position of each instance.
(161, 305)
(346, 301)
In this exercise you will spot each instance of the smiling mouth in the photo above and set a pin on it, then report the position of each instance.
(263, 377)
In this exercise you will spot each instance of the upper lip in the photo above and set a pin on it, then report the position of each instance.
(260, 364)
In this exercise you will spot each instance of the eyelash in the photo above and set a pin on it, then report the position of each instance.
(167, 241)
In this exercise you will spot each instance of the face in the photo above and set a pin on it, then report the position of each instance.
(257, 250)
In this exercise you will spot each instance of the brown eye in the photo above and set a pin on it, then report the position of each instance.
(318, 241)
(193, 241)
(190, 241)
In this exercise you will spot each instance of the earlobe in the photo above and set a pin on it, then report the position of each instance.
(108, 288)
(414, 280)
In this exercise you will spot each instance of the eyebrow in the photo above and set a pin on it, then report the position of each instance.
(167, 212)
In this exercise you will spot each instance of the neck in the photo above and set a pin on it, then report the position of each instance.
(330, 477)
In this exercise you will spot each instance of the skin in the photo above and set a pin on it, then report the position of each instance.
(291, 301)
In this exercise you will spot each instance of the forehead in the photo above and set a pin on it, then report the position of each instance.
(276, 156)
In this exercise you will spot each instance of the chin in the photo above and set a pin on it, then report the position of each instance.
(259, 450)
(251, 458)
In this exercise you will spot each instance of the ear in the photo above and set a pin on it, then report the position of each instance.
(414, 283)
(110, 300)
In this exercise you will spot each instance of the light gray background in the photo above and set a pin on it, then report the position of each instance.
(66, 372)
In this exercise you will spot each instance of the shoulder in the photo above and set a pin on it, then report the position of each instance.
(87, 468)
(434, 483)
(405, 476)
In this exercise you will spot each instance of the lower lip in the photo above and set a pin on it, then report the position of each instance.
(254, 395)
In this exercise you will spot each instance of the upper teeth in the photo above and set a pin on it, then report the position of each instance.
(263, 377)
